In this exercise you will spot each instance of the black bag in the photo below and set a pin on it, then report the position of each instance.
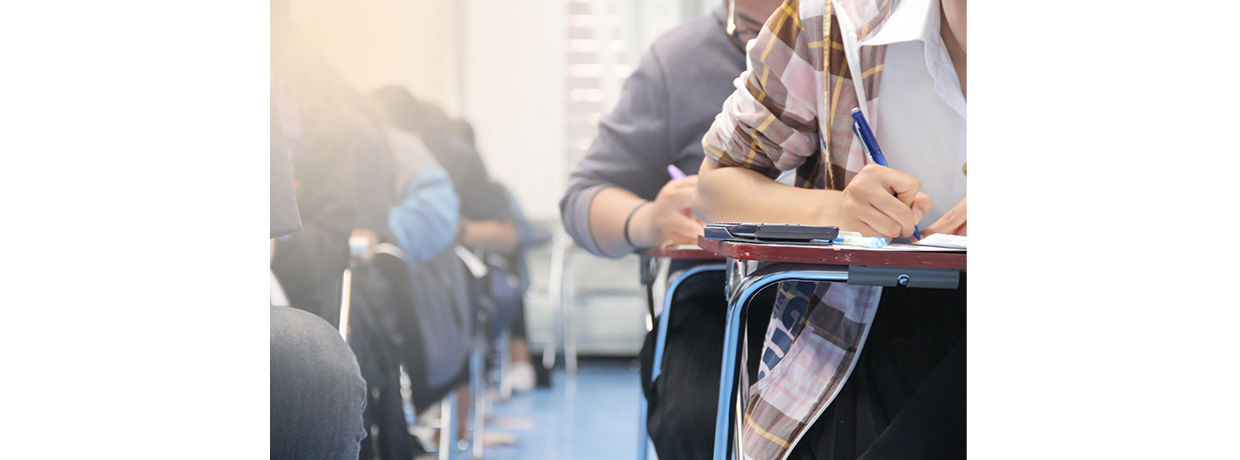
(433, 318)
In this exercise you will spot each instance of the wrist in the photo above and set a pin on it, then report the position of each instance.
(828, 212)
(638, 226)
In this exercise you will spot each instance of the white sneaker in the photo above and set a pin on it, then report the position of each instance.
(522, 376)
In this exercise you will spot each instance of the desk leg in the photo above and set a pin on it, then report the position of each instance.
(727, 378)
(743, 283)
(555, 291)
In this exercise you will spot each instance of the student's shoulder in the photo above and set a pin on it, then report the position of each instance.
(693, 40)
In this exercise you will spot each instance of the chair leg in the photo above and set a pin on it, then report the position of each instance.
(477, 369)
(569, 306)
(346, 294)
(643, 438)
(447, 426)
(504, 359)
(556, 293)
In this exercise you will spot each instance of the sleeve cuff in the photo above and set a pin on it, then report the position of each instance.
(576, 215)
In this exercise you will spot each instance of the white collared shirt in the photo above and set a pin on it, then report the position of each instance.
(921, 118)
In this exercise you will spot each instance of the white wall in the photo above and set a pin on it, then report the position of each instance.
(501, 64)
(516, 97)
(503, 71)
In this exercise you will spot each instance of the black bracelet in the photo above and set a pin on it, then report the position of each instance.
(629, 219)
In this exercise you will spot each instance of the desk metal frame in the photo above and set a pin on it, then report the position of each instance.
(745, 278)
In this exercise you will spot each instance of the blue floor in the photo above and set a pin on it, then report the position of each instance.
(592, 415)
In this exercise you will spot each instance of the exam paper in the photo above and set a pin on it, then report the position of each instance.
(944, 241)
(934, 243)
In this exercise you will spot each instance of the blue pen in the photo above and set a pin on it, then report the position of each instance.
(870, 144)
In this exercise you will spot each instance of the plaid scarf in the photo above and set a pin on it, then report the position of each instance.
(792, 110)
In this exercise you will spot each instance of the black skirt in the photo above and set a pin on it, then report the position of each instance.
(906, 396)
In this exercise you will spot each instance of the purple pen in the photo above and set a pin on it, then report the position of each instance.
(676, 173)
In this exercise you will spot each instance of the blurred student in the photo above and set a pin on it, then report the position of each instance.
(486, 221)
(403, 195)
(479, 201)
(321, 145)
(404, 198)
(904, 64)
(317, 392)
(621, 198)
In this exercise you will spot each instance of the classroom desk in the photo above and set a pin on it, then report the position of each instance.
(753, 266)
(695, 261)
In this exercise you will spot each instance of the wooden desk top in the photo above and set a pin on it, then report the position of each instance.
(681, 252)
(834, 255)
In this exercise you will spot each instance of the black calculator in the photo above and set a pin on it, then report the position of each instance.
(769, 232)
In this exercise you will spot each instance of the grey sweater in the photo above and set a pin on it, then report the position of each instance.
(666, 107)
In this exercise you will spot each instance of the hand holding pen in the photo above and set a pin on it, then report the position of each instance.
(878, 201)
(903, 187)
(873, 203)
(669, 218)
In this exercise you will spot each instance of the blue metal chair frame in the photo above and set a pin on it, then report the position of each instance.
(643, 438)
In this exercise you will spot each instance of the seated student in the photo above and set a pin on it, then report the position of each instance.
(621, 198)
(405, 198)
(317, 392)
(321, 143)
(485, 219)
(479, 201)
(904, 64)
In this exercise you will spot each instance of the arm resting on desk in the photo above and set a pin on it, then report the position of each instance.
(726, 194)
(490, 235)
(866, 205)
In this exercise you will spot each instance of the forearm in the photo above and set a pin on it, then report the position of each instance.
(490, 235)
(732, 194)
(608, 211)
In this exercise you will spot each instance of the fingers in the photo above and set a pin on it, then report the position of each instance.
(683, 230)
(892, 216)
(688, 182)
(891, 221)
(947, 225)
(679, 196)
(867, 229)
(921, 205)
(903, 185)
(884, 213)
(674, 219)
(953, 221)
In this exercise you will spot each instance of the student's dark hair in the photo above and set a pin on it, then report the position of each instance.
(462, 130)
(407, 112)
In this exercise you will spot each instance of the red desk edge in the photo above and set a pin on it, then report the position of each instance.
(831, 255)
(673, 252)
